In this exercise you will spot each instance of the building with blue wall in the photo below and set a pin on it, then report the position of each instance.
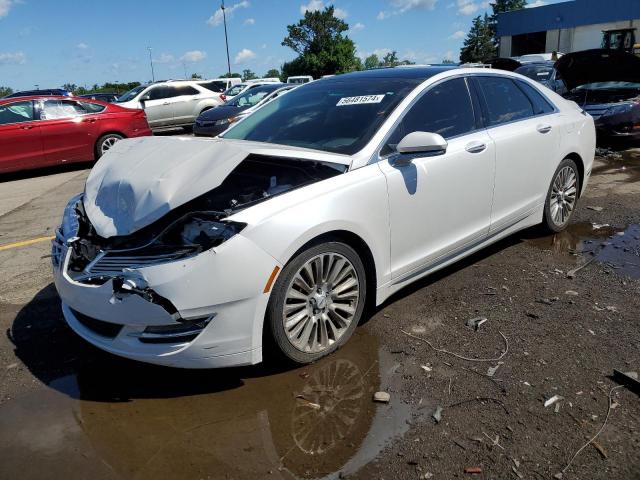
(569, 27)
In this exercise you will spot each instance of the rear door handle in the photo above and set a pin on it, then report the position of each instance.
(544, 128)
(165, 103)
(475, 147)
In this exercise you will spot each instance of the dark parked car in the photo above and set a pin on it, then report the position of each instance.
(545, 73)
(42, 131)
(606, 84)
(60, 92)
(103, 97)
(216, 120)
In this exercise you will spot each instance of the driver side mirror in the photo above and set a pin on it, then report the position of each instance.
(418, 143)
(145, 98)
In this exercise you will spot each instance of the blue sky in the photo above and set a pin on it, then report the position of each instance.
(85, 42)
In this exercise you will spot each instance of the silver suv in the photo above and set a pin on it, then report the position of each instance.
(171, 103)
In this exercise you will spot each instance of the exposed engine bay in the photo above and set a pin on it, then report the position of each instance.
(197, 225)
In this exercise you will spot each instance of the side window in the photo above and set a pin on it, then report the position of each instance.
(186, 90)
(55, 109)
(217, 87)
(172, 92)
(16, 112)
(445, 109)
(505, 101)
(92, 107)
(540, 104)
(158, 93)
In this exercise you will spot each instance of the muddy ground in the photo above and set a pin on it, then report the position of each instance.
(68, 410)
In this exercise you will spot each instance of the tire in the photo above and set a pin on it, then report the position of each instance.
(105, 142)
(188, 128)
(562, 196)
(321, 319)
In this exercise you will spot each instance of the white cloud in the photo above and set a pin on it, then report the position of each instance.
(5, 6)
(216, 18)
(13, 58)
(193, 56)
(340, 13)
(82, 46)
(467, 7)
(165, 58)
(403, 6)
(244, 55)
(536, 3)
(312, 6)
(249, 21)
(357, 27)
(457, 35)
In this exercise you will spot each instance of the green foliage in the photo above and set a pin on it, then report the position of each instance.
(372, 61)
(4, 91)
(108, 87)
(233, 75)
(196, 76)
(321, 46)
(447, 61)
(500, 6)
(273, 73)
(479, 45)
(248, 75)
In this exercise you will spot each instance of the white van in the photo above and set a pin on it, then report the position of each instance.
(300, 79)
(219, 85)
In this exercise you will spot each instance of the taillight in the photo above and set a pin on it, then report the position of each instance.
(223, 98)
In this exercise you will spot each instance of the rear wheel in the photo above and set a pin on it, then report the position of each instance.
(317, 302)
(105, 142)
(562, 196)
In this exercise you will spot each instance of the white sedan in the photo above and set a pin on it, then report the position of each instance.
(274, 237)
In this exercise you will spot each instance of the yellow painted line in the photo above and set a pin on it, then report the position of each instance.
(24, 243)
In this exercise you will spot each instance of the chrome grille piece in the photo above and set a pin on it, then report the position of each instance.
(109, 264)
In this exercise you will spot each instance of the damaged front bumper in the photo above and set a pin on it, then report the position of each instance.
(204, 311)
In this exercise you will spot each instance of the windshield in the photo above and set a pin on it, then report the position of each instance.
(337, 116)
(249, 98)
(131, 94)
(235, 90)
(536, 72)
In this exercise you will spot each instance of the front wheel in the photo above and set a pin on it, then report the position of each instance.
(562, 196)
(317, 302)
(105, 142)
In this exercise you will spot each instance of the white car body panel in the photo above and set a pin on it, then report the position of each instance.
(412, 220)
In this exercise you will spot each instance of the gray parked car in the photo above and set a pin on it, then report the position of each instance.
(171, 103)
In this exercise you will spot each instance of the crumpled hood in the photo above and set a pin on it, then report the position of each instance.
(598, 65)
(140, 180)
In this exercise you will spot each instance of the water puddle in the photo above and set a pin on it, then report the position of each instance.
(625, 164)
(120, 419)
(617, 249)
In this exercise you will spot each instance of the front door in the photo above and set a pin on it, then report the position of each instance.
(439, 203)
(19, 137)
(158, 106)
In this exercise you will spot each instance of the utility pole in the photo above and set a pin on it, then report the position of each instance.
(184, 66)
(153, 75)
(226, 39)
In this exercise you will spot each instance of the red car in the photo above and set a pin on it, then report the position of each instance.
(43, 131)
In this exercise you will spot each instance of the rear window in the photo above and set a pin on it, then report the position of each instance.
(337, 116)
(540, 104)
(505, 101)
(217, 86)
(538, 73)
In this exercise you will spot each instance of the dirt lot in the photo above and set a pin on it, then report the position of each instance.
(68, 410)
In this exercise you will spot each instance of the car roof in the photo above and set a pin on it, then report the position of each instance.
(404, 72)
(50, 97)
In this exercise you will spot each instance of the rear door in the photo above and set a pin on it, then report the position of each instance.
(526, 136)
(184, 104)
(19, 137)
(68, 131)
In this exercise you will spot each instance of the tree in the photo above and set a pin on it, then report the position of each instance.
(70, 87)
(4, 91)
(478, 46)
(233, 75)
(447, 61)
(273, 73)
(248, 75)
(196, 76)
(321, 46)
(372, 61)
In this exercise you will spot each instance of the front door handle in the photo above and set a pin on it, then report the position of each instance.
(544, 128)
(475, 147)
(26, 127)
(165, 103)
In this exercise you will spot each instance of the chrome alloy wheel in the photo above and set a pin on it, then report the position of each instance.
(563, 195)
(320, 302)
(107, 143)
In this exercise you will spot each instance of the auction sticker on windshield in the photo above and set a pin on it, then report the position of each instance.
(359, 100)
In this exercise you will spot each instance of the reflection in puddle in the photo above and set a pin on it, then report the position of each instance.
(626, 163)
(615, 248)
(128, 420)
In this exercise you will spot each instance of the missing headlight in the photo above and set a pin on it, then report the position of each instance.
(202, 230)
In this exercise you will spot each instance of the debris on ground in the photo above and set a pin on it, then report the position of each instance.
(553, 400)
(426, 368)
(437, 415)
(381, 397)
(600, 450)
(308, 403)
(571, 293)
(627, 379)
(598, 226)
(594, 208)
(442, 350)
(492, 370)
(547, 301)
(475, 323)
(572, 273)
(473, 470)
